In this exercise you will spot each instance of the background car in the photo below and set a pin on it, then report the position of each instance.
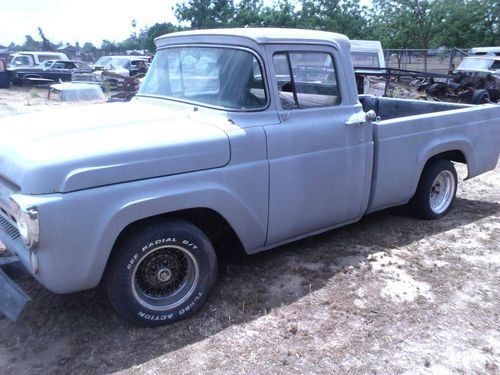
(124, 65)
(49, 71)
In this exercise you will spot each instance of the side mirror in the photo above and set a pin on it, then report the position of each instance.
(370, 115)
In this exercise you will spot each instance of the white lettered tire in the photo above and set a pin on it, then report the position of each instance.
(161, 272)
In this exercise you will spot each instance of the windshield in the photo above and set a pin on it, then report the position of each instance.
(117, 62)
(213, 76)
(103, 60)
(476, 64)
(19, 60)
(365, 59)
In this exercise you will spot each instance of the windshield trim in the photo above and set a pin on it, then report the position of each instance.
(198, 104)
(477, 59)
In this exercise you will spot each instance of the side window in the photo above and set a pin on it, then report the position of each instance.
(21, 61)
(306, 79)
(43, 58)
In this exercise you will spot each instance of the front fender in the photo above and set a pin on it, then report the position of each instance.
(242, 204)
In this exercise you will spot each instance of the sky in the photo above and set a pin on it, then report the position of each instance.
(69, 21)
(79, 20)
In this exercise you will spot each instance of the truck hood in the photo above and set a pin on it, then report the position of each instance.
(95, 145)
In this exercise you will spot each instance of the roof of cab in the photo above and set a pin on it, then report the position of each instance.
(48, 53)
(262, 35)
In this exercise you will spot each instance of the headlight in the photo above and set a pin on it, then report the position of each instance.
(27, 224)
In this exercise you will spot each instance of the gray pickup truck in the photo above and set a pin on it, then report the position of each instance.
(247, 137)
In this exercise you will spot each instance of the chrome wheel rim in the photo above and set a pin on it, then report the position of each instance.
(165, 278)
(442, 191)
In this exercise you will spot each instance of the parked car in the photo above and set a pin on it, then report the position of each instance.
(221, 147)
(480, 64)
(367, 53)
(31, 59)
(485, 51)
(367, 56)
(475, 81)
(49, 71)
(124, 65)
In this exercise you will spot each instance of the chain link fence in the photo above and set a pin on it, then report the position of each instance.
(438, 60)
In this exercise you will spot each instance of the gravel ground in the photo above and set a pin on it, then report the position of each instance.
(387, 295)
(19, 100)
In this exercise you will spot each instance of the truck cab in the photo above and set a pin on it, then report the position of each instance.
(29, 59)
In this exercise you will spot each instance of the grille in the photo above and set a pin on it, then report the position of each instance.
(9, 228)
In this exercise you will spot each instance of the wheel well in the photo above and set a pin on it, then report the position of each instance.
(452, 155)
(214, 225)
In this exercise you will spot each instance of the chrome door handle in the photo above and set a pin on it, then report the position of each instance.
(354, 123)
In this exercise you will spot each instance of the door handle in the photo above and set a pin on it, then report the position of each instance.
(358, 123)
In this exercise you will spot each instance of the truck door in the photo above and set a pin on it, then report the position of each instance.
(320, 155)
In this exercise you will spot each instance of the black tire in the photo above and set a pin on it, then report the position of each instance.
(480, 97)
(436, 190)
(161, 272)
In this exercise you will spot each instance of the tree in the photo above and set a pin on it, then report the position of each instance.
(281, 14)
(489, 21)
(88, 47)
(434, 23)
(406, 23)
(157, 30)
(46, 44)
(249, 13)
(108, 46)
(31, 44)
(203, 14)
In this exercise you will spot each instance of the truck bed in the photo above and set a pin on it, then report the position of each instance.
(390, 108)
(410, 132)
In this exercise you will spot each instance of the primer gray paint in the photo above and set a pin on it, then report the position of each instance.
(274, 175)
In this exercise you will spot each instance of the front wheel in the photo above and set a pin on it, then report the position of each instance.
(436, 190)
(161, 273)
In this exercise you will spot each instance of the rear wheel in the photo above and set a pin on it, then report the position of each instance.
(480, 97)
(436, 190)
(161, 273)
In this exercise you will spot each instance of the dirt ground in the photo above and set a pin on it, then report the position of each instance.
(387, 295)
(19, 100)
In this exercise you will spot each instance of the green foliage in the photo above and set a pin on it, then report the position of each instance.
(46, 44)
(203, 14)
(346, 17)
(31, 44)
(89, 47)
(155, 31)
(281, 13)
(108, 46)
(488, 21)
(249, 13)
(434, 23)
